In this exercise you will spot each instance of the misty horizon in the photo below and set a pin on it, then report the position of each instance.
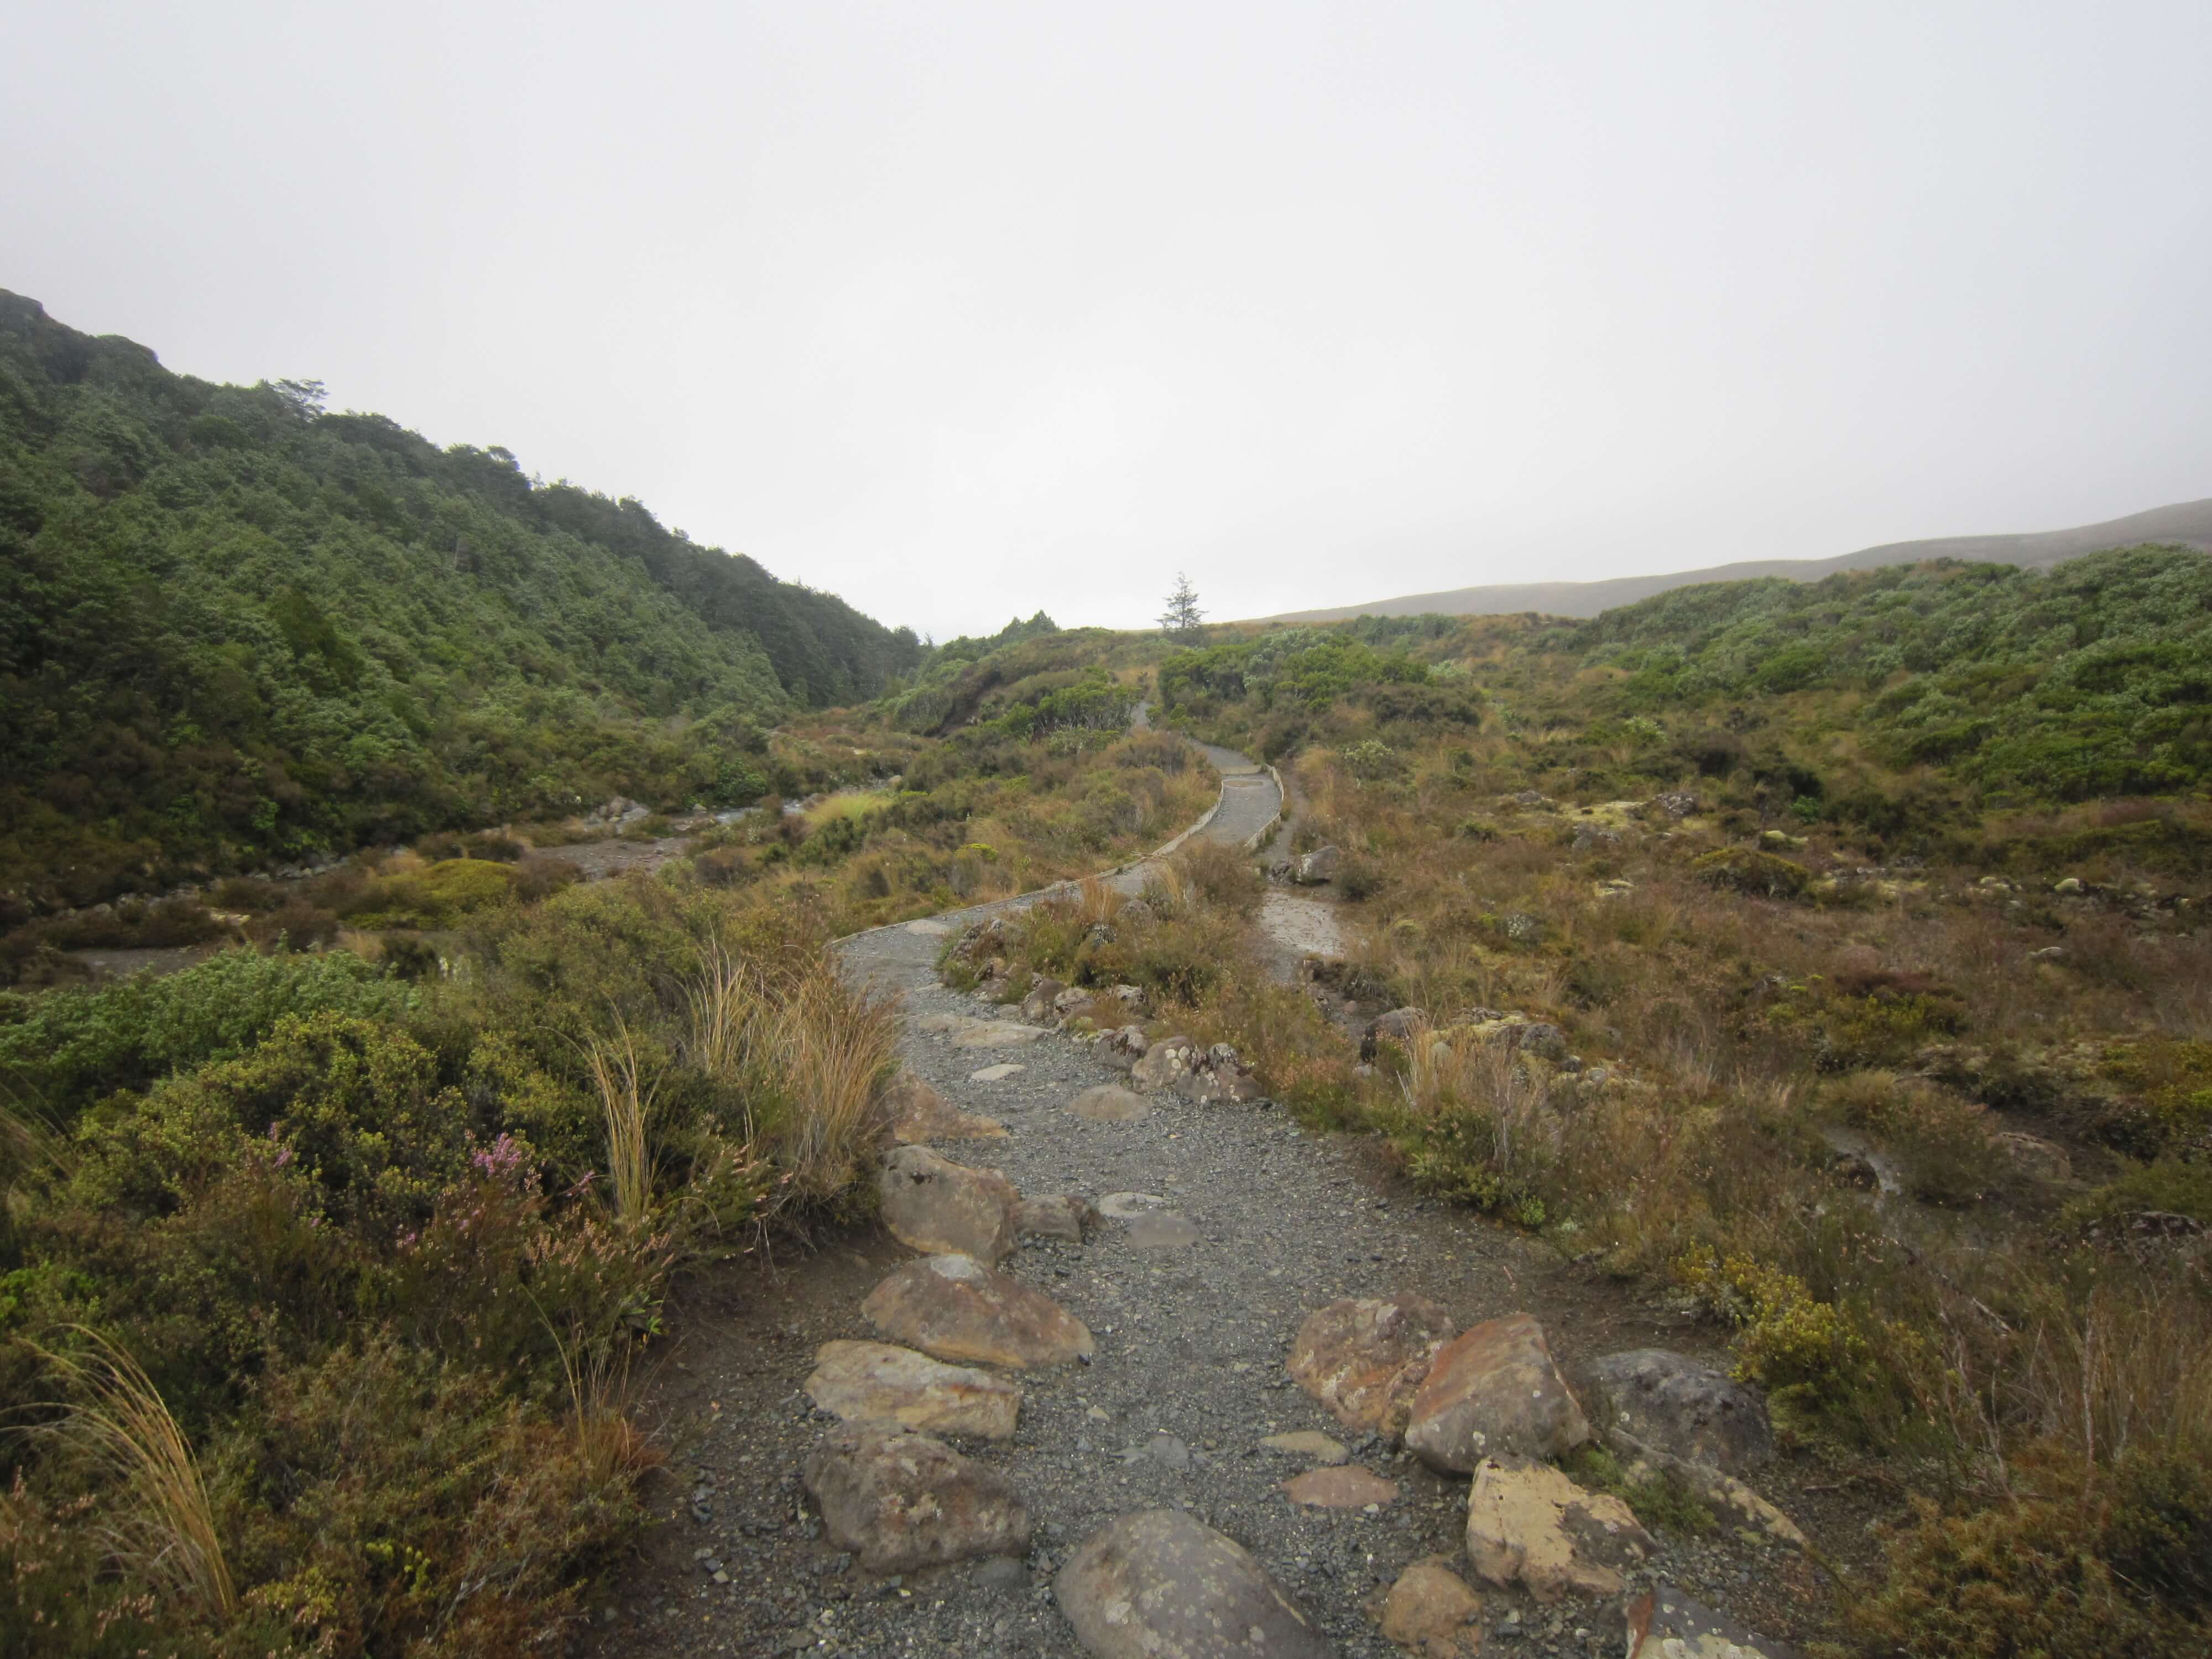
(965, 317)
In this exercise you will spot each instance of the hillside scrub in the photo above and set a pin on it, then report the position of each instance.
(368, 1259)
(239, 630)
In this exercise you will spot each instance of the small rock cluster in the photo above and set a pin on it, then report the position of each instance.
(1491, 1402)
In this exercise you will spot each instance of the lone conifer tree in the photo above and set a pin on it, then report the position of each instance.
(1182, 615)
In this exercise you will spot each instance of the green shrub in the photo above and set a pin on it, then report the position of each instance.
(2069, 1577)
(1743, 869)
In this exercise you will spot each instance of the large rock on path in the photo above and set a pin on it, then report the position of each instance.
(1365, 1358)
(900, 1500)
(955, 1308)
(933, 1205)
(1431, 1610)
(1161, 1585)
(1671, 1403)
(1527, 1522)
(875, 1382)
(1494, 1390)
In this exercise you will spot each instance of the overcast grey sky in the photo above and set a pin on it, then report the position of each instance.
(963, 310)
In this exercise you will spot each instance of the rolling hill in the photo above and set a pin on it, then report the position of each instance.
(2186, 524)
(235, 628)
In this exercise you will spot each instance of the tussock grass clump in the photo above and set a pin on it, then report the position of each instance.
(809, 1047)
(159, 1527)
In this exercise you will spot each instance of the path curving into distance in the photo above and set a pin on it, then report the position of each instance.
(1192, 1323)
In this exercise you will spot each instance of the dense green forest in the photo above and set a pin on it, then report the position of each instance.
(234, 628)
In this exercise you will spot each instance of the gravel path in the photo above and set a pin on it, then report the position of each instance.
(1188, 1379)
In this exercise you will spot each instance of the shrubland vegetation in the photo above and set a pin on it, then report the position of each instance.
(237, 631)
(1827, 956)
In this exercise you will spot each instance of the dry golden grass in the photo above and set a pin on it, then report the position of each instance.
(802, 1038)
(626, 1100)
(163, 1530)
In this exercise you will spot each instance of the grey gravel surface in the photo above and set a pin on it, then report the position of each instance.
(1188, 1379)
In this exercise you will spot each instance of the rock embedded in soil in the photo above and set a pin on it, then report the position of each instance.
(1162, 1230)
(994, 1034)
(1494, 1389)
(1529, 1523)
(1063, 1216)
(900, 1500)
(955, 1308)
(1662, 1622)
(1346, 1488)
(919, 1114)
(1110, 1104)
(876, 1382)
(1670, 1402)
(1308, 1443)
(1165, 1064)
(997, 1073)
(933, 1205)
(1163, 1585)
(1365, 1358)
(1433, 1610)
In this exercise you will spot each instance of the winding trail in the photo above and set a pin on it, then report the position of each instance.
(1188, 1379)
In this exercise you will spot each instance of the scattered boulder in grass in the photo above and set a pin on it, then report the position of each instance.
(1433, 1610)
(1398, 1025)
(2034, 1156)
(933, 1205)
(1124, 1047)
(1529, 1523)
(955, 1308)
(1074, 1003)
(1163, 1585)
(1178, 1064)
(1365, 1358)
(1670, 1402)
(1494, 1390)
(1744, 870)
(1323, 864)
(900, 1500)
(1037, 1007)
(877, 1382)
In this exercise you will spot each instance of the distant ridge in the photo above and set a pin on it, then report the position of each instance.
(2188, 523)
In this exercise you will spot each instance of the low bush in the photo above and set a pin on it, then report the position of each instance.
(1746, 870)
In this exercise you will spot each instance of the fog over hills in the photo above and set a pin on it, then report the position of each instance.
(2187, 524)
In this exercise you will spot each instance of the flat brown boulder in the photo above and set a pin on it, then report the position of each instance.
(900, 1500)
(1161, 1585)
(1529, 1523)
(1345, 1486)
(875, 1382)
(1494, 1391)
(1431, 1610)
(955, 1308)
(1364, 1358)
(919, 1114)
(934, 1205)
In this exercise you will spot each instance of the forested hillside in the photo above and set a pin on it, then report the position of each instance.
(235, 627)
